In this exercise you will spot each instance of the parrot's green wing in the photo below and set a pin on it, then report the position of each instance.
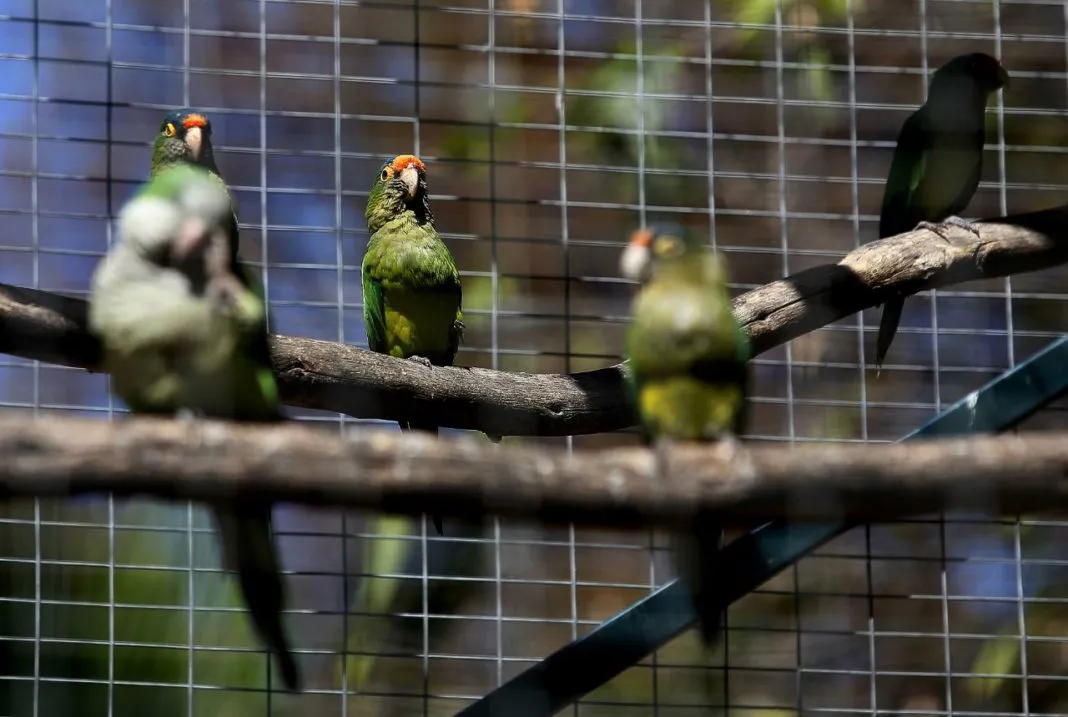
(235, 235)
(374, 310)
(936, 166)
(900, 200)
(259, 350)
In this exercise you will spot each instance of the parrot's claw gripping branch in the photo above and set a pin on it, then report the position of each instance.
(412, 473)
(943, 227)
(422, 361)
(336, 377)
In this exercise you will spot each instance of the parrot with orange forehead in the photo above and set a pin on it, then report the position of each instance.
(184, 137)
(687, 376)
(411, 287)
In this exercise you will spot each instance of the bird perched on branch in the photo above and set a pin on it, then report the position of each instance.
(687, 374)
(183, 334)
(411, 287)
(184, 137)
(937, 162)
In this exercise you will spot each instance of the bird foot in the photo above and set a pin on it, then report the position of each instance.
(727, 438)
(187, 416)
(661, 449)
(421, 360)
(940, 228)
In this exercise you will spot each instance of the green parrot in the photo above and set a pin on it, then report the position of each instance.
(937, 162)
(687, 374)
(184, 137)
(411, 287)
(182, 334)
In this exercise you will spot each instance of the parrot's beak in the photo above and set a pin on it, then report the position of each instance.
(635, 260)
(1003, 78)
(192, 236)
(194, 139)
(410, 176)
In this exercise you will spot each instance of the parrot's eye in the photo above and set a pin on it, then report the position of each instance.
(169, 130)
(385, 175)
(667, 247)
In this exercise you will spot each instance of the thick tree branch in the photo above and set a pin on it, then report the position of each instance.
(335, 377)
(415, 473)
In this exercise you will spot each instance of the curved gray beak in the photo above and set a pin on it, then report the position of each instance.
(410, 176)
(1003, 77)
(194, 139)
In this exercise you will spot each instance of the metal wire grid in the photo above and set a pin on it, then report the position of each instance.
(307, 98)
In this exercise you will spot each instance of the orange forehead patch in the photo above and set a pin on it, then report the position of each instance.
(195, 121)
(642, 237)
(399, 164)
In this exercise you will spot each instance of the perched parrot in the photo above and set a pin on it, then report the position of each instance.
(411, 287)
(938, 161)
(687, 375)
(184, 137)
(182, 334)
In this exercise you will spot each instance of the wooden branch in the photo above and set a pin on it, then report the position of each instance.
(336, 377)
(416, 473)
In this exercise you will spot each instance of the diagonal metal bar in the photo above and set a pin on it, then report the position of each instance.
(621, 642)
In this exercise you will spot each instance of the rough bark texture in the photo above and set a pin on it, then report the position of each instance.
(414, 473)
(336, 377)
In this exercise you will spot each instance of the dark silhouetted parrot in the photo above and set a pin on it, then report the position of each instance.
(687, 374)
(182, 334)
(411, 287)
(938, 161)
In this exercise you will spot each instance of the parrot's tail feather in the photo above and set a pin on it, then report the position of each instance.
(290, 673)
(887, 328)
(709, 542)
(429, 428)
(248, 549)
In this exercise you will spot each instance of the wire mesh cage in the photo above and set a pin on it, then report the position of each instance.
(550, 129)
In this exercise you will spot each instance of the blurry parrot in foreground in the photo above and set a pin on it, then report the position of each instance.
(182, 334)
(937, 162)
(687, 375)
(411, 287)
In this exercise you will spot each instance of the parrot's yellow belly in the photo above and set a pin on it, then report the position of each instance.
(686, 409)
(419, 325)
